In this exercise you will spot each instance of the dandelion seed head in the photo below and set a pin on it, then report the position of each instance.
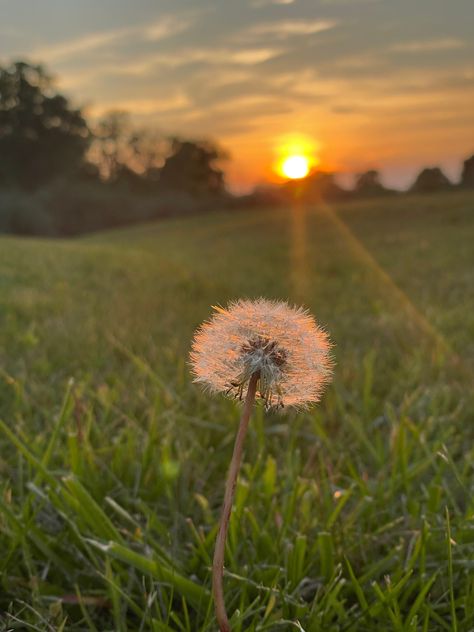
(283, 344)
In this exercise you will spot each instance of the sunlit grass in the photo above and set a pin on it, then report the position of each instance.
(354, 516)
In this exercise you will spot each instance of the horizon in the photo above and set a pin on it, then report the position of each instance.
(367, 84)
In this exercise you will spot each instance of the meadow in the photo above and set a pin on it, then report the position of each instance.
(357, 515)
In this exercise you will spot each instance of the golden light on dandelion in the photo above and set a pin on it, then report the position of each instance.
(280, 342)
(265, 349)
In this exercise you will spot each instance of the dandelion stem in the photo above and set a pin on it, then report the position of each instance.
(218, 562)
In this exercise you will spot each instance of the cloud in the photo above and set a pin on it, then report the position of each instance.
(251, 103)
(258, 4)
(164, 28)
(167, 27)
(153, 63)
(142, 106)
(287, 28)
(252, 56)
(93, 41)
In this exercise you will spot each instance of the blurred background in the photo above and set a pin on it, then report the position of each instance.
(113, 113)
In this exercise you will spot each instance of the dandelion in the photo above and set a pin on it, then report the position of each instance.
(265, 349)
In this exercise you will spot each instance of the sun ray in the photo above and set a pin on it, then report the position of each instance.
(361, 252)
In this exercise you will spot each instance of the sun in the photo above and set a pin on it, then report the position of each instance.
(296, 155)
(295, 167)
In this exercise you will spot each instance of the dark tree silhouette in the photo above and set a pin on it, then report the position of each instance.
(431, 179)
(149, 149)
(110, 150)
(368, 184)
(467, 176)
(41, 135)
(319, 185)
(192, 167)
(125, 154)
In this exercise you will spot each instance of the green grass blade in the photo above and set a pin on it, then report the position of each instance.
(89, 510)
(197, 595)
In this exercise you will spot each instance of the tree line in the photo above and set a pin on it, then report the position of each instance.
(60, 174)
(43, 137)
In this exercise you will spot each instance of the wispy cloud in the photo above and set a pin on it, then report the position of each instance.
(164, 28)
(167, 27)
(287, 28)
(57, 52)
(153, 62)
(251, 56)
(259, 4)
(142, 106)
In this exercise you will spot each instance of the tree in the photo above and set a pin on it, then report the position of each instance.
(149, 149)
(467, 176)
(192, 167)
(109, 150)
(368, 184)
(41, 135)
(318, 185)
(431, 179)
(126, 154)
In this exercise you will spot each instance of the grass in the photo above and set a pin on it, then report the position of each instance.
(356, 515)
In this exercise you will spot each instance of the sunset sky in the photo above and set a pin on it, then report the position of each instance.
(361, 83)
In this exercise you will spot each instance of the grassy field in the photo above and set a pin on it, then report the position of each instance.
(356, 515)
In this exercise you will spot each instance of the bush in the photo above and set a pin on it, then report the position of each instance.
(66, 208)
(24, 214)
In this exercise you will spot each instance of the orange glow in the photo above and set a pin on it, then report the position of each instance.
(296, 156)
(295, 167)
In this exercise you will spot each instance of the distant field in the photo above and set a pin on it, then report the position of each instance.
(357, 515)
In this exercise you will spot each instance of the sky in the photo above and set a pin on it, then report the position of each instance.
(358, 84)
